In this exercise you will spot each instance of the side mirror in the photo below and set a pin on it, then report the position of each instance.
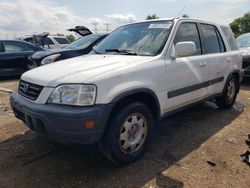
(183, 49)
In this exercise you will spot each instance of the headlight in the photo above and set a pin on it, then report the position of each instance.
(74, 94)
(50, 59)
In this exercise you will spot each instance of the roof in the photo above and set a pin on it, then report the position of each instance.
(178, 19)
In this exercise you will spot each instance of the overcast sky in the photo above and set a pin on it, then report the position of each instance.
(29, 16)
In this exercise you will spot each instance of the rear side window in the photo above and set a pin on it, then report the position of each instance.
(61, 40)
(1, 47)
(12, 46)
(230, 37)
(30, 47)
(210, 39)
(188, 32)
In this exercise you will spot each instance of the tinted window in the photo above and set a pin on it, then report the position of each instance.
(30, 47)
(61, 40)
(188, 32)
(47, 41)
(210, 40)
(230, 37)
(1, 47)
(12, 46)
(83, 42)
(30, 39)
(146, 39)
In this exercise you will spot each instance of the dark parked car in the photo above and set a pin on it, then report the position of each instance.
(79, 47)
(244, 44)
(14, 57)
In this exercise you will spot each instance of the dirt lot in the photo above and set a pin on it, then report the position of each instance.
(177, 157)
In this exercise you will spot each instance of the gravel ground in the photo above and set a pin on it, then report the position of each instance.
(178, 156)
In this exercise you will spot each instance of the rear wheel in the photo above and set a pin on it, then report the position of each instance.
(229, 95)
(129, 134)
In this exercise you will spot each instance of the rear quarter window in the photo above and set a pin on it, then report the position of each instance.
(230, 37)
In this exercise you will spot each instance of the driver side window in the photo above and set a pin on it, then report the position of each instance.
(188, 32)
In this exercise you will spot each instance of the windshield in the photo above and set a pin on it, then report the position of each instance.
(146, 39)
(244, 40)
(61, 40)
(83, 42)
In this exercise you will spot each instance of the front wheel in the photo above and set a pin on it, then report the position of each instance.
(229, 95)
(128, 136)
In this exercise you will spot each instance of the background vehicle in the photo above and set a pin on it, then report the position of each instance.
(79, 47)
(140, 73)
(244, 44)
(48, 42)
(14, 56)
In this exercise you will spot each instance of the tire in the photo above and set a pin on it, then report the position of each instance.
(229, 94)
(128, 135)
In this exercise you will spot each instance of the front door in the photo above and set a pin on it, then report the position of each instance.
(186, 77)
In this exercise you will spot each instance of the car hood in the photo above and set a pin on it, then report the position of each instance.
(79, 69)
(43, 54)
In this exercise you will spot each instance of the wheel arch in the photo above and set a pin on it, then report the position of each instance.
(235, 73)
(144, 95)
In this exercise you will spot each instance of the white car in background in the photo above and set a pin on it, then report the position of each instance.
(50, 41)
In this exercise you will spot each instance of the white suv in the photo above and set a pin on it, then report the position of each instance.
(50, 41)
(140, 73)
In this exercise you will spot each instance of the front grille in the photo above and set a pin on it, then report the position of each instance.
(29, 90)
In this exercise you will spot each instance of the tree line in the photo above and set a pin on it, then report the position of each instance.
(241, 25)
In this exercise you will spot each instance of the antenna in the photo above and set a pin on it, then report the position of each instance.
(182, 10)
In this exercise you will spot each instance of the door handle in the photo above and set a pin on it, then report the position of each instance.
(228, 59)
(202, 64)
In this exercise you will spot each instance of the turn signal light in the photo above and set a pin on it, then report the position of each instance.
(90, 124)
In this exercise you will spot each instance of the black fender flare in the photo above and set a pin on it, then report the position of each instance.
(237, 72)
(135, 91)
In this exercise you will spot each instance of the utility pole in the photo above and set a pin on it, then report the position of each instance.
(95, 26)
(107, 26)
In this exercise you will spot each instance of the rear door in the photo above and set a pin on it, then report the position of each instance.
(186, 76)
(14, 59)
(217, 58)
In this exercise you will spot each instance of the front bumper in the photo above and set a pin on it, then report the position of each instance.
(62, 123)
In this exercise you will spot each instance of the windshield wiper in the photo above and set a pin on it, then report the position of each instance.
(121, 51)
(96, 51)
